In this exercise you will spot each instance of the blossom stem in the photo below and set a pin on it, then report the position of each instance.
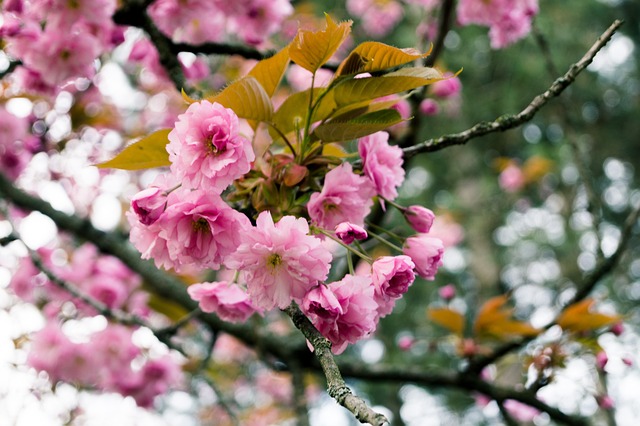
(284, 138)
(394, 204)
(350, 263)
(385, 242)
(386, 231)
(348, 247)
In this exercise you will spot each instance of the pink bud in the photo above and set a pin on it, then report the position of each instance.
(605, 402)
(348, 232)
(405, 343)
(627, 361)
(149, 204)
(447, 292)
(601, 360)
(446, 88)
(420, 218)
(617, 328)
(429, 107)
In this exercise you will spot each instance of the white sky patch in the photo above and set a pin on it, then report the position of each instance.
(37, 230)
(608, 62)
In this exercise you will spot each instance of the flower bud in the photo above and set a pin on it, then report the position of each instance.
(429, 107)
(149, 204)
(347, 232)
(420, 218)
(601, 360)
(447, 292)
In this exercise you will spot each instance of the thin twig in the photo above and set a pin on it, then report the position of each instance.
(509, 121)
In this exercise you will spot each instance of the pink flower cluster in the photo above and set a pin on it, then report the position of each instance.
(508, 20)
(378, 18)
(350, 309)
(103, 362)
(58, 41)
(201, 21)
(103, 278)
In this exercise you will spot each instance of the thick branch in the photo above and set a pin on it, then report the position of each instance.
(509, 121)
(336, 387)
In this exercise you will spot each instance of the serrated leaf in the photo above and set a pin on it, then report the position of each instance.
(363, 89)
(447, 318)
(148, 152)
(495, 320)
(268, 72)
(359, 108)
(372, 56)
(337, 131)
(247, 98)
(293, 111)
(312, 49)
(580, 317)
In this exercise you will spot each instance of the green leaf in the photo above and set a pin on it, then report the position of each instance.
(362, 89)
(336, 131)
(312, 49)
(268, 72)
(148, 152)
(372, 56)
(247, 98)
(293, 111)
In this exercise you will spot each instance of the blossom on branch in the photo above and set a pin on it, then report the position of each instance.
(345, 197)
(206, 149)
(382, 163)
(344, 311)
(281, 261)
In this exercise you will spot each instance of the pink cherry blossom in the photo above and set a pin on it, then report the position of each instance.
(59, 56)
(155, 377)
(189, 21)
(426, 252)
(343, 312)
(509, 20)
(447, 292)
(377, 18)
(405, 343)
(521, 412)
(601, 360)
(345, 197)
(149, 204)
(446, 88)
(226, 300)
(347, 232)
(512, 178)
(429, 107)
(391, 276)
(420, 218)
(300, 78)
(206, 149)
(281, 261)
(255, 20)
(382, 163)
(196, 230)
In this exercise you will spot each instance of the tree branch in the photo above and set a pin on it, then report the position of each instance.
(336, 387)
(160, 282)
(510, 121)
